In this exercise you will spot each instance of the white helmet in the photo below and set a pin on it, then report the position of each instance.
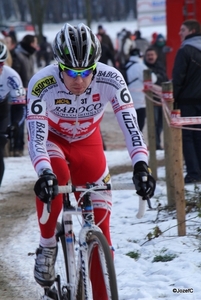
(3, 52)
(76, 46)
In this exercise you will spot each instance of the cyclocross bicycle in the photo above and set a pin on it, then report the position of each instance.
(74, 257)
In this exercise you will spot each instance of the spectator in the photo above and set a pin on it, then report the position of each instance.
(25, 51)
(11, 32)
(159, 44)
(153, 38)
(119, 38)
(105, 38)
(10, 43)
(119, 41)
(44, 53)
(155, 65)
(127, 44)
(141, 43)
(135, 82)
(11, 46)
(107, 56)
(24, 64)
(187, 94)
(11, 91)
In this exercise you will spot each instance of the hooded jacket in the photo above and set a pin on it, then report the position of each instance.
(24, 62)
(135, 80)
(187, 72)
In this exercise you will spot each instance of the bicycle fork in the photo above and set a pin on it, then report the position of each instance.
(83, 259)
(70, 240)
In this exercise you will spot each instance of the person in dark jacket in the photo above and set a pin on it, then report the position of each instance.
(105, 38)
(107, 56)
(141, 43)
(44, 53)
(155, 65)
(187, 94)
(160, 45)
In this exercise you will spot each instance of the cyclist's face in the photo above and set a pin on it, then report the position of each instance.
(77, 85)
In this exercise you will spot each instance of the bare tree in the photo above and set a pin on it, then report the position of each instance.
(88, 12)
(37, 10)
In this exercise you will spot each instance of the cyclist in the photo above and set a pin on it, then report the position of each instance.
(66, 102)
(11, 92)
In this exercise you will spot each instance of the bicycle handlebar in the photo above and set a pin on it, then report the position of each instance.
(92, 187)
(113, 186)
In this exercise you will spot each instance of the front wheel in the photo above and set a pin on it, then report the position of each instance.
(62, 266)
(98, 245)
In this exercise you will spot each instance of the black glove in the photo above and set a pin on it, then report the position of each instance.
(143, 180)
(46, 187)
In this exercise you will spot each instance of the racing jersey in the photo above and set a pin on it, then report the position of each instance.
(11, 85)
(52, 107)
(11, 92)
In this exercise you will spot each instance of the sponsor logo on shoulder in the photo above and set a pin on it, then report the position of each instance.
(41, 84)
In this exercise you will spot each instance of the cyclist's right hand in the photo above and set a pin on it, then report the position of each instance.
(46, 187)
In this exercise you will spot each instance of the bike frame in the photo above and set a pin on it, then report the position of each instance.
(87, 213)
(79, 264)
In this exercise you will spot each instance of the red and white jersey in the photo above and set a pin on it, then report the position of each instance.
(11, 86)
(52, 107)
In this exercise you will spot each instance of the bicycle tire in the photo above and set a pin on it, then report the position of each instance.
(64, 278)
(97, 239)
(80, 288)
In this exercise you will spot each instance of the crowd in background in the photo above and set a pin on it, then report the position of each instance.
(27, 55)
(131, 54)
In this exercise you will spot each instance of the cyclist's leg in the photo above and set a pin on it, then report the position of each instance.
(60, 168)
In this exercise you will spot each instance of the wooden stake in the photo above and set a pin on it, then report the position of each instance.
(167, 92)
(179, 179)
(150, 122)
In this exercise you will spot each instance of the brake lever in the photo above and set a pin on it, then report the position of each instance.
(148, 202)
(49, 205)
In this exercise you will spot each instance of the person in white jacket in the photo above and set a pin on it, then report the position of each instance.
(134, 77)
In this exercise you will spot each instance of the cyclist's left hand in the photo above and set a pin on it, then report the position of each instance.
(46, 187)
(143, 180)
